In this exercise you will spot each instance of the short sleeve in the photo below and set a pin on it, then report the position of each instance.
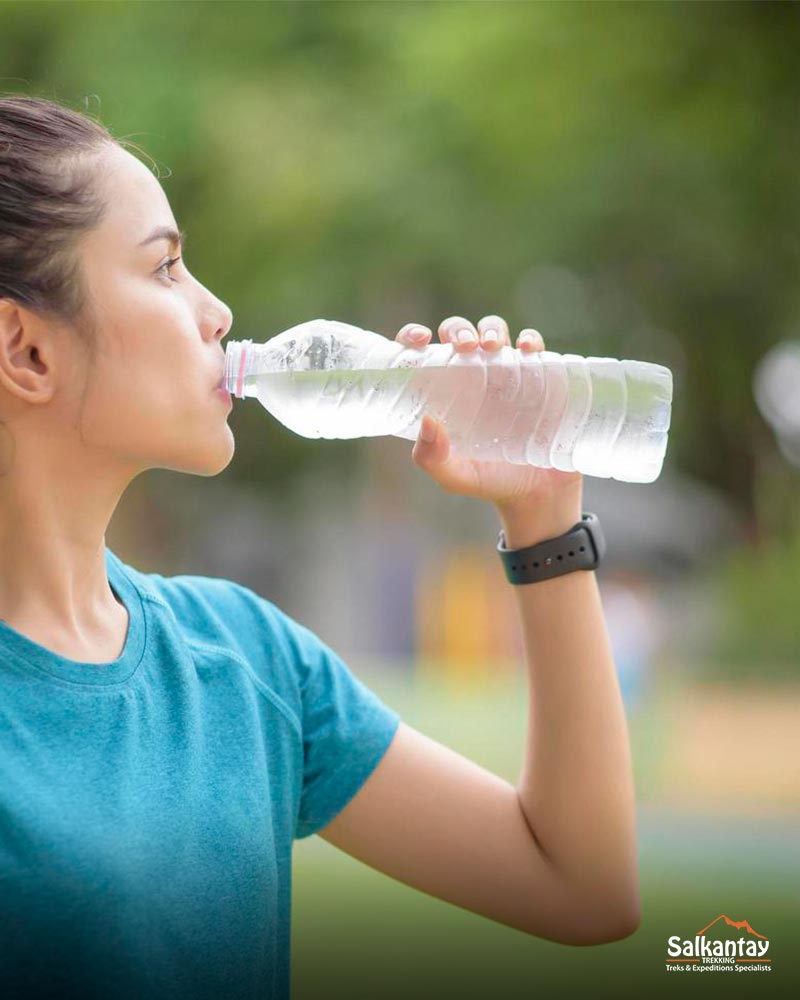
(346, 730)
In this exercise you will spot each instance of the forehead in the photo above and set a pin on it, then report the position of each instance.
(135, 201)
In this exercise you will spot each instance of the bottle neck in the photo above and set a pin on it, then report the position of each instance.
(238, 362)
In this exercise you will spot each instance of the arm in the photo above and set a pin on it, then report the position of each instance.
(576, 785)
(555, 855)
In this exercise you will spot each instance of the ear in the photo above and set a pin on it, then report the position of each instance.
(27, 354)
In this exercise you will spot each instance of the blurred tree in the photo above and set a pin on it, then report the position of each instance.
(622, 176)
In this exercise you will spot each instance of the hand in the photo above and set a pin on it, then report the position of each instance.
(530, 500)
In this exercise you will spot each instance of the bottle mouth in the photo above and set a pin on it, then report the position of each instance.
(237, 358)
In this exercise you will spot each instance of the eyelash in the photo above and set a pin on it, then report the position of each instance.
(166, 266)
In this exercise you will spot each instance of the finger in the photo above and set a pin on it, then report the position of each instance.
(415, 335)
(432, 447)
(530, 340)
(494, 333)
(453, 473)
(459, 332)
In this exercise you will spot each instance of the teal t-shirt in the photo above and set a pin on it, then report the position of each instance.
(148, 806)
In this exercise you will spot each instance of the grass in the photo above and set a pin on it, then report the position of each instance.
(357, 933)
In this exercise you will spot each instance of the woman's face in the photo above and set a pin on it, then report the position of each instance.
(151, 391)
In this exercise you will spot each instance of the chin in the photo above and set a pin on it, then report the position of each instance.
(210, 463)
(222, 463)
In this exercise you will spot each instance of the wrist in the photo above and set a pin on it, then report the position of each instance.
(528, 523)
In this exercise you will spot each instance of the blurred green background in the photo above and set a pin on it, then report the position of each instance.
(623, 177)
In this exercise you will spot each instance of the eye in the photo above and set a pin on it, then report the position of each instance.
(166, 266)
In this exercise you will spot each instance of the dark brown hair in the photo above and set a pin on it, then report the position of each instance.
(49, 197)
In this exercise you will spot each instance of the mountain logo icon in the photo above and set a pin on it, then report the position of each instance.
(737, 924)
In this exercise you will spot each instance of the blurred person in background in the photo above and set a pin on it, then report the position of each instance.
(164, 740)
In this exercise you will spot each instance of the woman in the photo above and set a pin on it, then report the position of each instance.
(163, 740)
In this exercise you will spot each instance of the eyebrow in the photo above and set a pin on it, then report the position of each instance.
(174, 236)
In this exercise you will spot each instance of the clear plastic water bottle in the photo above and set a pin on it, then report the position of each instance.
(598, 416)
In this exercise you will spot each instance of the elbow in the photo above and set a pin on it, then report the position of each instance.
(607, 925)
(596, 923)
(633, 918)
(622, 927)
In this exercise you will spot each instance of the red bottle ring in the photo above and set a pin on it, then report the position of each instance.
(240, 376)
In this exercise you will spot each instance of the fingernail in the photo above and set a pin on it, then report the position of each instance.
(465, 336)
(427, 430)
(418, 335)
(531, 338)
(490, 335)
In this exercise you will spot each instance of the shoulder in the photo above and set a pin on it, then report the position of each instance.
(208, 601)
(215, 613)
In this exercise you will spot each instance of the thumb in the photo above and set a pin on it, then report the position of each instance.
(432, 446)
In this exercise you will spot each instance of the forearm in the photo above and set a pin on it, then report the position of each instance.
(576, 785)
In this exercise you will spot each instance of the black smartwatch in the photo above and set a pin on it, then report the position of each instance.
(582, 547)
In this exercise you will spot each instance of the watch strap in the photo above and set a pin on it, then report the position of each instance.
(582, 547)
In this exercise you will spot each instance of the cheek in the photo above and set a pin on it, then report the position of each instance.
(150, 360)
(143, 421)
(143, 318)
(138, 406)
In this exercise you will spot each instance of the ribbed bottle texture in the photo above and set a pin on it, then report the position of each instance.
(598, 416)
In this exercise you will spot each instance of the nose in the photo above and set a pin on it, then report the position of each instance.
(218, 320)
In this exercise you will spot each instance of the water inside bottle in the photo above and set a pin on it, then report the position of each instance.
(546, 411)
(360, 403)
